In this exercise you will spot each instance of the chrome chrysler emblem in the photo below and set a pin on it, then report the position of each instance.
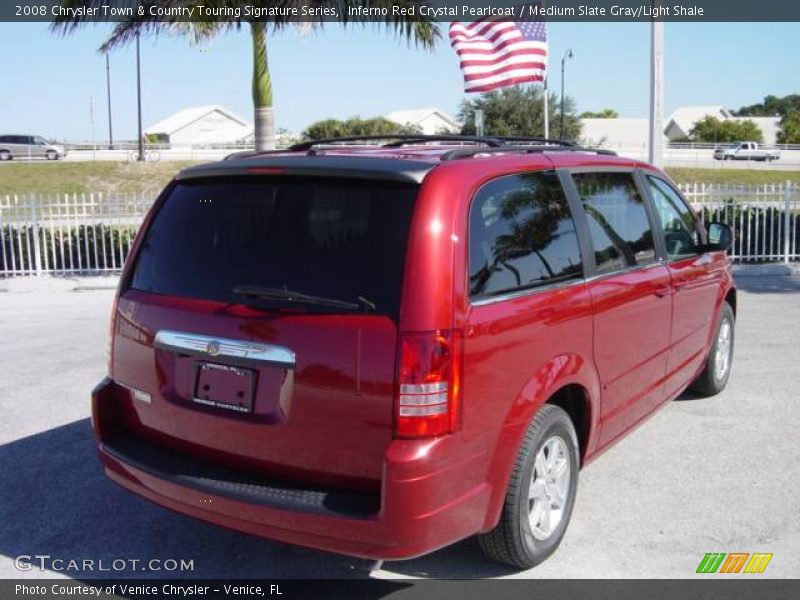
(212, 348)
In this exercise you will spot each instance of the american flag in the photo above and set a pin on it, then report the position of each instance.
(497, 54)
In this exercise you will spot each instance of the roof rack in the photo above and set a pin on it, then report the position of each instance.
(537, 140)
(540, 148)
(397, 140)
(478, 144)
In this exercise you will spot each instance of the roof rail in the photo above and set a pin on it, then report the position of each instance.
(478, 144)
(537, 140)
(397, 140)
(569, 147)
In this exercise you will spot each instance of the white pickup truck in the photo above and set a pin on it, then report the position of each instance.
(746, 151)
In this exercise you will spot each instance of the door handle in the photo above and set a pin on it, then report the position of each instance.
(662, 292)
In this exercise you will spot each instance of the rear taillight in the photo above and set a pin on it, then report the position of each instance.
(428, 398)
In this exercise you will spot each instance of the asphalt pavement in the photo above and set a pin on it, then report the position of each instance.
(702, 475)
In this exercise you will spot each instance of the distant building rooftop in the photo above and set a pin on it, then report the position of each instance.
(429, 120)
(202, 124)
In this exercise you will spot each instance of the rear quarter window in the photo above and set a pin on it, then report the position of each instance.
(331, 237)
(521, 235)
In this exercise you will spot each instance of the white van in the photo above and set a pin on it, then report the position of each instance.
(29, 146)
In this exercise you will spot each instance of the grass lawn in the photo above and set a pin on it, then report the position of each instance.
(732, 176)
(105, 176)
(91, 176)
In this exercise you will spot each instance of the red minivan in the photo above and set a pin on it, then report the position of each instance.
(380, 347)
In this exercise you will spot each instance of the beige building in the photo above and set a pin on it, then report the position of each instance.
(200, 125)
(633, 133)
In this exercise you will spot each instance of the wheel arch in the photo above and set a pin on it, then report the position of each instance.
(573, 399)
(573, 387)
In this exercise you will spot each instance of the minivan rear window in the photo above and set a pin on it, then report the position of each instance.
(333, 238)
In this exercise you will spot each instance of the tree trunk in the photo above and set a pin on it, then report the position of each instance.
(264, 120)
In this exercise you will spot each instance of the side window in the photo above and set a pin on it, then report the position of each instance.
(617, 219)
(521, 235)
(677, 220)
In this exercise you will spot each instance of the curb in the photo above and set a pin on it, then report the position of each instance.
(93, 284)
(57, 284)
(94, 288)
(766, 270)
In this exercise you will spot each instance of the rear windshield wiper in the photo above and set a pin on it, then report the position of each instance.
(269, 293)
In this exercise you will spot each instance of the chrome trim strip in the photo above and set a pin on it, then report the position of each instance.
(208, 346)
(528, 291)
(624, 271)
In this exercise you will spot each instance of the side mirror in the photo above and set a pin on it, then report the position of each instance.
(720, 236)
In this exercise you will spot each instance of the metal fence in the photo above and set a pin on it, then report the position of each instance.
(92, 233)
(68, 233)
(765, 218)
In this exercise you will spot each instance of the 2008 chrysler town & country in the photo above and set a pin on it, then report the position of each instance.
(379, 350)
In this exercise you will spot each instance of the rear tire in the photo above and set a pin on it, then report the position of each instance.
(717, 369)
(540, 495)
(5, 155)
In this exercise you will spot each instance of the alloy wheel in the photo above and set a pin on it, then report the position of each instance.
(549, 487)
(722, 359)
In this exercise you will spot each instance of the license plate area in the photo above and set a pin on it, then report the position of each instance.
(224, 386)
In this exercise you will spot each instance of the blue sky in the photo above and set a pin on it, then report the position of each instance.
(339, 73)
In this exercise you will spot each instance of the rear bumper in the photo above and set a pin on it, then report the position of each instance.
(431, 495)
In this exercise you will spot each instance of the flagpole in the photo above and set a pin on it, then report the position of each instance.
(546, 99)
(546, 111)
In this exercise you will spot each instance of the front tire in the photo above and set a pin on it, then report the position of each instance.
(5, 155)
(717, 369)
(540, 495)
(52, 155)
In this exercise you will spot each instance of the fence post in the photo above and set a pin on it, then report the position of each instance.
(787, 205)
(37, 250)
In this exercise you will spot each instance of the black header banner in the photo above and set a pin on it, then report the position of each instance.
(287, 11)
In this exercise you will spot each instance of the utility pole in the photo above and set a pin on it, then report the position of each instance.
(108, 95)
(656, 135)
(139, 99)
(567, 54)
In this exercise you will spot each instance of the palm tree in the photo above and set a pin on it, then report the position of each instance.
(423, 33)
